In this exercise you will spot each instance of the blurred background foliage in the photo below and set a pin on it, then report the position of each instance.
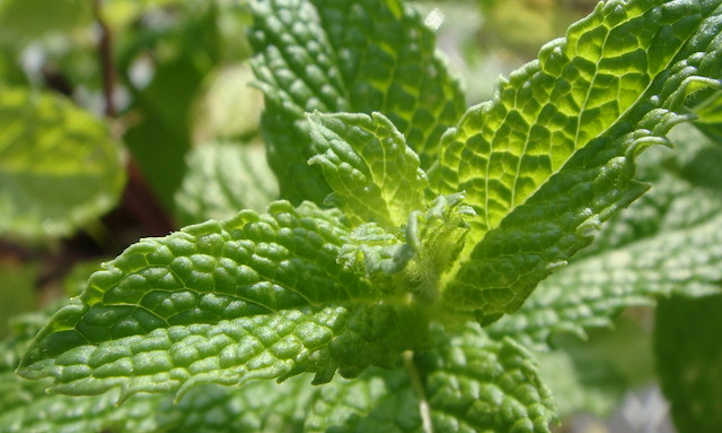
(180, 143)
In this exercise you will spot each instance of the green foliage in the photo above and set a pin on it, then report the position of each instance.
(19, 20)
(375, 176)
(59, 167)
(334, 56)
(471, 383)
(410, 224)
(689, 360)
(552, 156)
(222, 178)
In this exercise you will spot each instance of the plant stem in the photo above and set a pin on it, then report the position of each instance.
(105, 49)
(424, 409)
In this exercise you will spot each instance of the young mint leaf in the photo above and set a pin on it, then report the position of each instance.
(223, 178)
(552, 156)
(59, 166)
(688, 360)
(374, 175)
(334, 56)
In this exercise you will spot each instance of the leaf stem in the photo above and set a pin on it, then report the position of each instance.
(424, 408)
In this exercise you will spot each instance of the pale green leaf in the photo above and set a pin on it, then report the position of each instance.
(374, 175)
(689, 361)
(593, 387)
(552, 156)
(59, 167)
(221, 180)
(332, 56)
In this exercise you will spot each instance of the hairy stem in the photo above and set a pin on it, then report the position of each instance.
(424, 409)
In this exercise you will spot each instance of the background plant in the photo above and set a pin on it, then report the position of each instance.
(401, 275)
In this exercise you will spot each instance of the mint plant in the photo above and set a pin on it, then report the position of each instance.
(423, 252)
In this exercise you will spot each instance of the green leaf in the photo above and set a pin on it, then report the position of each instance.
(59, 167)
(660, 247)
(593, 387)
(376, 401)
(474, 383)
(222, 179)
(224, 303)
(375, 176)
(256, 407)
(552, 156)
(689, 361)
(593, 375)
(22, 20)
(470, 383)
(183, 54)
(334, 56)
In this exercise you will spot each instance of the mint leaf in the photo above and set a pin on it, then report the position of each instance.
(222, 179)
(552, 156)
(376, 401)
(688, 360)
(470, 383)
(222, 303)
(676, 251)
(375, 176)
(59, 167)
(333, 56)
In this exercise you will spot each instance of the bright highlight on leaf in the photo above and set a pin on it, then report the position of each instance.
(552, 156)
(375, 176)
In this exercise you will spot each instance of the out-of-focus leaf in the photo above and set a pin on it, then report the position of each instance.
(222, 179)
(184, 54)
(59, 166)
(229, 109)
(22, 20)
(77, 279)
(17, 288)
(689, 361)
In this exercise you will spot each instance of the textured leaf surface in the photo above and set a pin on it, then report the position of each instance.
(553, 154)
(331, 56)
(374, 175)
(59, 167)
(221, 180)
(689, 361)
(221, 302)
(262, 406)
(683, 258)
(471, 384)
